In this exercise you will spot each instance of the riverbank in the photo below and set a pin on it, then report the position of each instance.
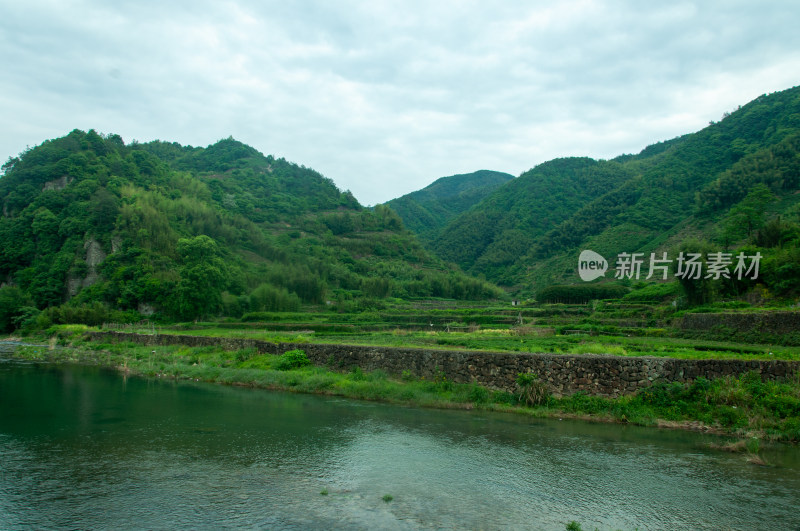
(603, 375)
(743, 407)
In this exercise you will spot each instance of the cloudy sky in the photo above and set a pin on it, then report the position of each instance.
(385, 97)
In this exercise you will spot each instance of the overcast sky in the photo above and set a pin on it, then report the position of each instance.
(385, 97)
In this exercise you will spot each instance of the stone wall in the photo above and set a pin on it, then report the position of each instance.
(565, 374)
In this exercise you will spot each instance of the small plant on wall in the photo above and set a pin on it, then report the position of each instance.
(531, 390)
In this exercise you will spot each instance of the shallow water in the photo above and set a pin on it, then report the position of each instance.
(81, 447)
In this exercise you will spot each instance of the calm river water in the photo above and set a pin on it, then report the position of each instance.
(82, 447)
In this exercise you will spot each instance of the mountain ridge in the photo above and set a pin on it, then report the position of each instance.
(426, 211)
(188, 232)
(527, 233)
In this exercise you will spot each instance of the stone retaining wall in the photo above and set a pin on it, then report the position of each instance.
(565, 374)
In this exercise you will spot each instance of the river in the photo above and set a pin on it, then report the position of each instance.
(83, 447)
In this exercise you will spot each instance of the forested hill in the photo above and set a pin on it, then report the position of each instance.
(491, 237)
(89, 222)
(425, 212)
(719, 188)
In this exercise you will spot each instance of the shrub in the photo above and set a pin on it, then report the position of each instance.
(356, 374)
(478, 394)
(441, 381)
(293, 359)
(532, 391)
(245, 354)
(268, 298)
(503, 397)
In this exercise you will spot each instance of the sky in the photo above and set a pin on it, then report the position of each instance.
(386, 97)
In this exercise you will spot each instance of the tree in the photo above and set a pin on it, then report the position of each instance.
(203, 277)
(691, 269)
(13, 305)
(749, 213)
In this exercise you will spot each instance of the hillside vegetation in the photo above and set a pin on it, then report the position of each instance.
(490, 238)
(731, 187)
(90, 225)
(426, 212)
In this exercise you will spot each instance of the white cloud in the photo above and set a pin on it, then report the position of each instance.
(385, 97)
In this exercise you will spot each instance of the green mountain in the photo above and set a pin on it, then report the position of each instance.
(91, 223)
(724, 187)
(425, 212)
(491, 237)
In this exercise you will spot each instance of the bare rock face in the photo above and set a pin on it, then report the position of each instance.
(73, 286)
(58, 184)
(94, 256)
(94, 252)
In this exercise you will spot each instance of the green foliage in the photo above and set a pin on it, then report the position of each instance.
(732, 402)
(427, 211)
(267, 298)
(293, 359)
(87, 219)
(580, 293)
(92, 314)
(747, 405)
(532, 390)
(15, 309)
(203, 277)
(200, 232)
(357, 375)
(499, 230)
(478, 394)
(747, 216)
(733, 183)
(774, 169)
(697, 288)
(654, 292)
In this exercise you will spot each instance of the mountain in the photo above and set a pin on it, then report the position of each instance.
(723, 187)
(425, 212)
(490, 237)
(89, 222)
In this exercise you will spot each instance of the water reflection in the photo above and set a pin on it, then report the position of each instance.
(80, 449)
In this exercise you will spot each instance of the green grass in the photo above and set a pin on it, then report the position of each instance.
(502, 340)
(570, 344)
(743, 406)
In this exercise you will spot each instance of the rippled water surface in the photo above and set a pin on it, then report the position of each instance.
(85, 448)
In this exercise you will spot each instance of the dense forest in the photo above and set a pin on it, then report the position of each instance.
(94, 229)
(731, 187)
(491, 237)
(426, 212)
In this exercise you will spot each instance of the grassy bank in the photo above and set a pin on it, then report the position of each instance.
(526, 339)
(741, 407)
